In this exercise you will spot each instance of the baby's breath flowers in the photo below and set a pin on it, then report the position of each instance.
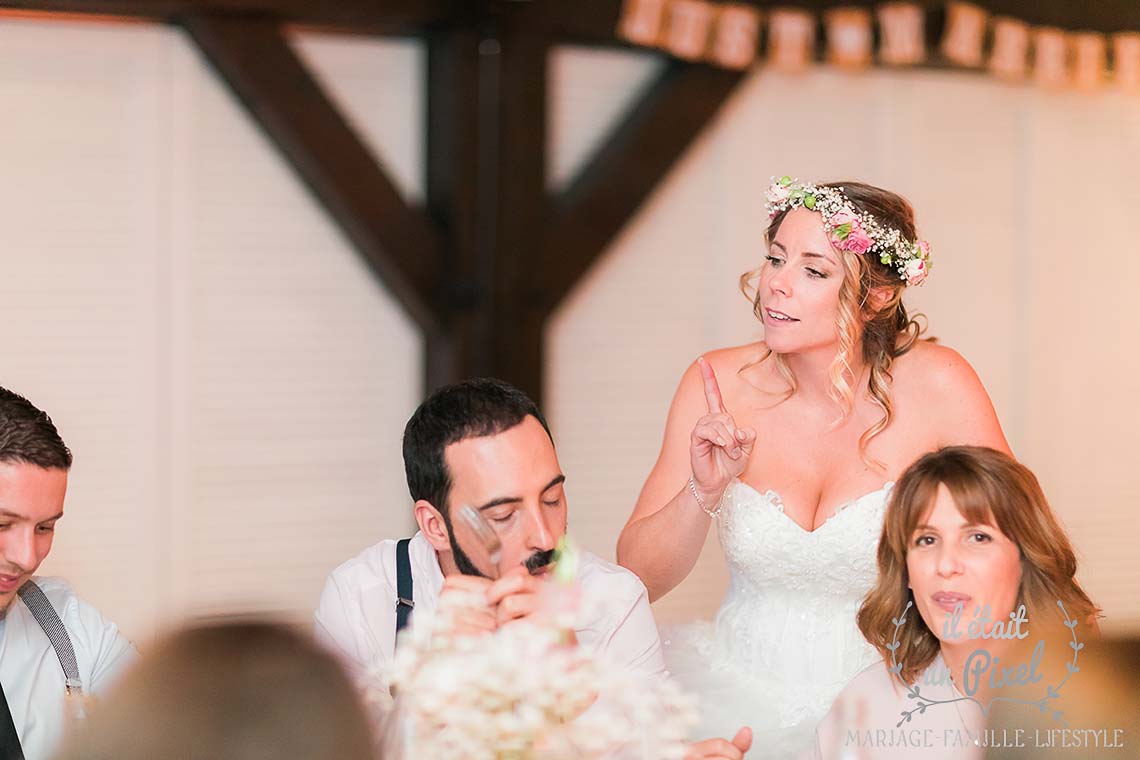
(850, 230)
(523, 692)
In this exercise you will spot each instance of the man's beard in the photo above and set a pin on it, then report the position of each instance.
(534, 564)
(462, 562)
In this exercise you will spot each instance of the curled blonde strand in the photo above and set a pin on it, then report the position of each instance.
(841, 373)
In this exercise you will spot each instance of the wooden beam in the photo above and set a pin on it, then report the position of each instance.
(455, 130)
(592, 22)
(518, 313)
(623, 172)
(596, 22)
(486, 187)
(1101, 16)
(398, 242)
(379, 16)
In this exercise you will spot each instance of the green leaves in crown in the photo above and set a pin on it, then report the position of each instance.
(799, 194)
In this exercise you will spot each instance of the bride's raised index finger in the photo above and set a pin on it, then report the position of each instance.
(712, 388)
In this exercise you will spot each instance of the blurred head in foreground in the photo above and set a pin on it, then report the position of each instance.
(1094, 716)
(238, 691)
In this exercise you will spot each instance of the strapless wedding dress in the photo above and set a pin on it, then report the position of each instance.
(784, 642)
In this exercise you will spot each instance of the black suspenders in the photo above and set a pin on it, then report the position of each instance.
(10, 748)
(404, 599)
(48, 619)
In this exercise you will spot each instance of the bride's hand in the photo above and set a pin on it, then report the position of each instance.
(721, 749)
(718, 449)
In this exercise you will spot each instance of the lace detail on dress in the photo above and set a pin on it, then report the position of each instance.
(765, 547)
(784, 641)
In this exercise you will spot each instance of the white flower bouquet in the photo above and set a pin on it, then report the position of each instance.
(526, 691)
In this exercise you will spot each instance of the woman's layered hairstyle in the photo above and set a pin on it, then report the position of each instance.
(988, 488)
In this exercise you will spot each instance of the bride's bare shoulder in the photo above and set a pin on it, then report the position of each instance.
(737, 364)
(953, 403)
(938, 390)
(932, 367)
(732, 359)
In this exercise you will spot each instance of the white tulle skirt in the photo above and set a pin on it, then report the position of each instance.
(781, 709)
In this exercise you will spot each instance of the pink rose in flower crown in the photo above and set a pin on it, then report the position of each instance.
(857, 240)
(847, 233)
(916, 271)
(842, 225)
(924, 249)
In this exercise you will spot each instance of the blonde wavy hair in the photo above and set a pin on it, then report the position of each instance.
(988, 488)
(882, 330)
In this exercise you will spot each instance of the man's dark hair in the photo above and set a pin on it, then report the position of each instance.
(470, 409)
(28, 436)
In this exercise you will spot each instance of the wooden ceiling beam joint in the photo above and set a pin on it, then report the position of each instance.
(398, 242)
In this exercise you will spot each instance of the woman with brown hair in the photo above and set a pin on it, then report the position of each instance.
(837, 400)
(976, 603)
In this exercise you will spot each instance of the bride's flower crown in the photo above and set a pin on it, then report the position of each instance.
(849, 229)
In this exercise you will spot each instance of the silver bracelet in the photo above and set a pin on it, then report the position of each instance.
(714, 513)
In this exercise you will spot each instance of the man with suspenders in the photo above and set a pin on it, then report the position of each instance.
(485, 444)
(482, 443)
(54, 648)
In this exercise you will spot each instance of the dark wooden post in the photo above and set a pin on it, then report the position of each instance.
(519, 311)
(455, 128)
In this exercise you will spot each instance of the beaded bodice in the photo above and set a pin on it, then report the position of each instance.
(766, 548)
(789, 614)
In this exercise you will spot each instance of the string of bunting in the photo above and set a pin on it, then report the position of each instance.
(729, 34)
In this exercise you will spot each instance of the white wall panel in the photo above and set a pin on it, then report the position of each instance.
(81, 237)
(1082, 329)
(590, 91)
(380, 86)
(231, 376)
(302, 370)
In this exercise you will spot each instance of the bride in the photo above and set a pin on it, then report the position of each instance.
(791, 446)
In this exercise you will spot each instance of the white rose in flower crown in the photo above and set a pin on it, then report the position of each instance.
(916, 271)
(777, 193)
(842, 217)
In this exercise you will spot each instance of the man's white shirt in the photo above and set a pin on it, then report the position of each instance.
(30, 672)
(357, 610)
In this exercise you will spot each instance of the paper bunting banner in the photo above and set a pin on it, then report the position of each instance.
(849, 38)
(737, 36)
(726, 33)
(641, 21)
(791, 39)
(1050, 54)
(687, 30)
(1090, 56)
(965, 33)
(902, 33)
(1010, 56)
(1126, 60)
